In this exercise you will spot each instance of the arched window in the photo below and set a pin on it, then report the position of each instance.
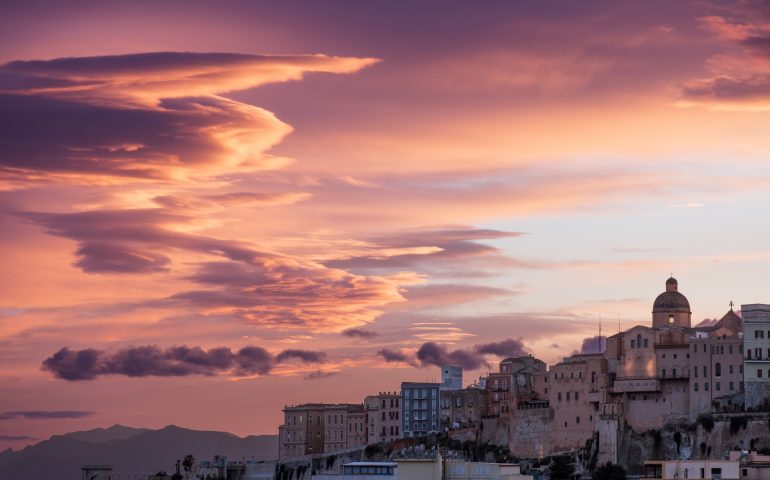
(718, 369)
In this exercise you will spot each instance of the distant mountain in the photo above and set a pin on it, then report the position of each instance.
(101, 435)
(127, 449)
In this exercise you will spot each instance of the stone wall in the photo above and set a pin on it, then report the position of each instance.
(531, 433)
(757, 394)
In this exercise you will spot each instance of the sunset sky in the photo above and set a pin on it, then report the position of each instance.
(212, 209)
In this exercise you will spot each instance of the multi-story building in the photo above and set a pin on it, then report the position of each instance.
(513, 384)
(302, 430)
(314, 428)
(356, 426)
(463, 408)
(383, 417)
(419, 409)
(756, 344)
(575, 394)
(335, 428)
(716, 366)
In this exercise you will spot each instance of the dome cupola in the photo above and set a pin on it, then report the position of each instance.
(671, 308)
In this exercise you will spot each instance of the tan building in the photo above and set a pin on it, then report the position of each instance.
(575, 392)
(356, 426)
(463, 408)
(335, 429)
(512, 384)
(314, 428)
(383, 417)
(716, 366)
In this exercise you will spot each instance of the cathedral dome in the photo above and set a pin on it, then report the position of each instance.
(671, 308)
(670, 301)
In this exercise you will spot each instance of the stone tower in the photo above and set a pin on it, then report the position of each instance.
(671, 308)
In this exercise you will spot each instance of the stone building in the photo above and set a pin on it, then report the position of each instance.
(716, 366)
(756, 337)
(576, 390)
(512, 384)
(463, 408)
(383, 417)
(302, 430)
(356, 426)
(314, 428)
(419, 409)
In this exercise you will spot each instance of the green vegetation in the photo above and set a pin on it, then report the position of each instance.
(609, 471)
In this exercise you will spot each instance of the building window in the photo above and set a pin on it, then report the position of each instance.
(568, 396)
(758, 353)
(732, 385)
(731, 369)
(718, 386)
(695, 386)
(673, 372)
(706, 386)
(633, 344)
(748, 354)
(663, 373)
(740, 368)
(695, 370)
(577, 419)
(759, 373)
(558, 396)
(705, 371)
(645, 343)
(718, 370)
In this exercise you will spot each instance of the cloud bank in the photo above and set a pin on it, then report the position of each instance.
(178, 361)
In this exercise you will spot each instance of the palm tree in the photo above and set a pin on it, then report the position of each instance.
(188, 463)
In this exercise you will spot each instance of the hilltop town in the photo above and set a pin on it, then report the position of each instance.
(667, 374)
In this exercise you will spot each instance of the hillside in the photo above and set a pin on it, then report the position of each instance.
(128, 450)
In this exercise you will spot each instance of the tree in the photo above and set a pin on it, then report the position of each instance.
(609, 471)
(561, 468)
(188, 463)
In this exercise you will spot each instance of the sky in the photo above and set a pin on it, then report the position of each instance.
(210, 210)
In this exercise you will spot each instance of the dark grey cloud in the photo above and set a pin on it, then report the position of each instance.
(595, 344)
(305, 356)
(318, 374)
(151, 360)
(506, 348)
(473, 358)
(359, 333)
(431, 353)
(100, 258)
(44, 414)
(394, 356)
